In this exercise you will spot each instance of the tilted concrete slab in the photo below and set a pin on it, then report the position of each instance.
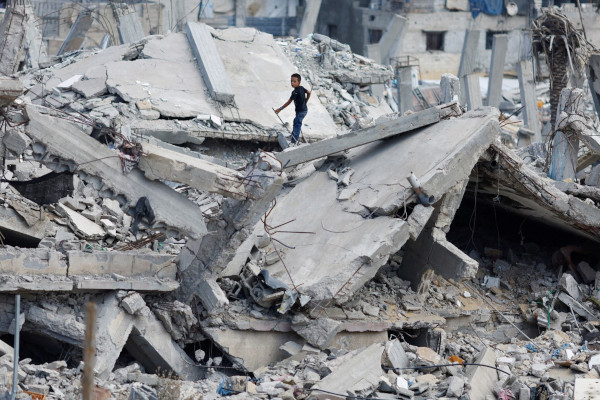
(10, 89)
(359, 372)
(122, 263)
(267, 71)
(13, 225)
(146, 338)
(159, 163)
(210, 63)
(57, 137)
(175, 89)
(352, 238)
(554, 203)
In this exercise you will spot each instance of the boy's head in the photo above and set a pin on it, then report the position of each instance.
(296, 79)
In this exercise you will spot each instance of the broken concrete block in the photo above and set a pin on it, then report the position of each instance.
(456, 386)
(481, 379)
(66, 84)
(369, 309)
(16, 141)
(291, 347)
(576, 306)
(90, 88)
(394, 355)
(133, 303)
(63, 327)
(570, 286)
(319, 333)
(426, 356)
(358, 374)
(81, 226)
(212, 296)
(587, 273)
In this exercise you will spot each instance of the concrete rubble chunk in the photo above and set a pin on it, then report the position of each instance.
(63, 327)
(570, 286)
(16, 141)
(81, 226)
(212, 296)
(90, 88)
(148, 341)
(394, 355)
(426, 356)
(319, 332)
(578, 308)
(456, 386)
(133, 303)
(481, 379)
(210, 63)
(587, 273)
(358, 374)
(57, 137)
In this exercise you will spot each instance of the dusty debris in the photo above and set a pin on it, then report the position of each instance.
(377, 259)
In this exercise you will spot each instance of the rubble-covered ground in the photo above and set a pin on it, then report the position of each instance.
(389, 256)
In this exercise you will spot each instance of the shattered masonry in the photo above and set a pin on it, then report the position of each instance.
(448, 251)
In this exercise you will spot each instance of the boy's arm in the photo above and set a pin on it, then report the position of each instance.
(283, 106)
(308, 92)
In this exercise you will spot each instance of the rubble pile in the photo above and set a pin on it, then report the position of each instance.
(146, 218)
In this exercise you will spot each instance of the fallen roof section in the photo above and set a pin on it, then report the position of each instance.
(337, 240)
(64, 139)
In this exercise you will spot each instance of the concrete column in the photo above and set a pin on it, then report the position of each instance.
(309, 20)
(405, 90)
(528, 99)
(563, 165)
(392, 37)
(77, 33)
(473, 92)
(240, 13)
(450, 86)
(593, 73)
(12, 37)
(499, 47)
(468, 59)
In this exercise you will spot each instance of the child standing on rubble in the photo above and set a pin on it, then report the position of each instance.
(300, 97)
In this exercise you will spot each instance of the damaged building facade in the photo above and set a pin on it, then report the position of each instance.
(161, 239)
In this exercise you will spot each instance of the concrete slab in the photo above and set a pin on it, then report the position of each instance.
(159, 163)
(175, 89)
(252, 349)
(351, 239)
(481, 379)
(81, 226)
(90, 87)
(586, 389)
(82, 283)
(146, 338)
(122, 263)
(130, 27)
(357, 374)
(56, 136)
(13, 225)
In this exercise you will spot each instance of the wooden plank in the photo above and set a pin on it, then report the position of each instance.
(499, 47)
(360, 137)
(527, 87)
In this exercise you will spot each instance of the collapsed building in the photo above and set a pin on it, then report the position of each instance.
(411, 255)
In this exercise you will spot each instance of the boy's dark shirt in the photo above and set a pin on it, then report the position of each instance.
(299, 97)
